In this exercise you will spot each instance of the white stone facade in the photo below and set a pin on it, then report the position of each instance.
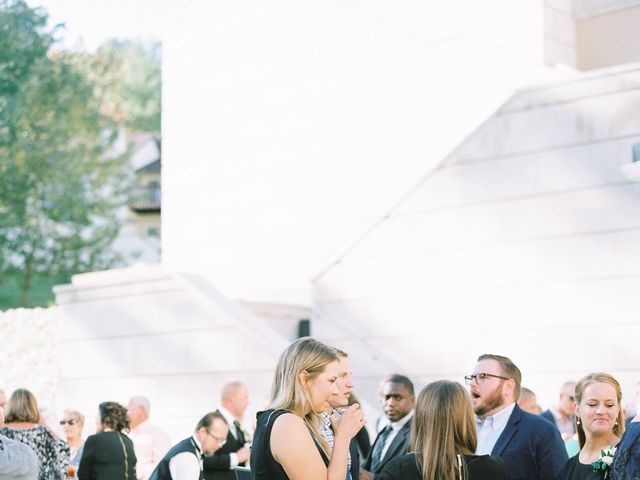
(419, 174)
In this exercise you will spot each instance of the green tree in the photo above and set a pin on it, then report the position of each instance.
(61, 188)
(128, 76)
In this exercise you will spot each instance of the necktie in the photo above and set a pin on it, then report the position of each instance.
(376, 454)
(239, 432)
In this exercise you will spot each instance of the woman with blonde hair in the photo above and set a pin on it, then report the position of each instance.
(443, 440)
(23, 424)
(72, 424)
(287, 443)
(599, 423)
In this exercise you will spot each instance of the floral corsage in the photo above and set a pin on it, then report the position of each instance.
(603, 464)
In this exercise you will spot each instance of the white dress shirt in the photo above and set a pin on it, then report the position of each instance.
(186, 465)
(490, 429)
(150, 444)
(395, 428)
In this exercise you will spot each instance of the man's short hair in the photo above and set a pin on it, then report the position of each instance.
(142, 402)
(208, 420)
(397, 378)
(509, 370)
(231, 388)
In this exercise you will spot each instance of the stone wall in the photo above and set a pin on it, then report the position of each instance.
(29, 353)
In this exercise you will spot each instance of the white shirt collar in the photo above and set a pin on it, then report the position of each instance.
(227, 415)
(498, 421)
(197, 441)
(403, 421)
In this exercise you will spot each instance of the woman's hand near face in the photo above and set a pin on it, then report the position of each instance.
(350, 422)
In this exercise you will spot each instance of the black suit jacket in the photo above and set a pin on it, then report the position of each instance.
(399, 446)
(217, 466)
(355, 459)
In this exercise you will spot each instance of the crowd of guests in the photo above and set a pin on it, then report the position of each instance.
(314, 429)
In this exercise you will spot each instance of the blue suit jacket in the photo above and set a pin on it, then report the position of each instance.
(531, 446)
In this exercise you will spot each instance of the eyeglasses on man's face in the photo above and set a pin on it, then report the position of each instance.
(481, 377)
(221, 440)
(70, 422)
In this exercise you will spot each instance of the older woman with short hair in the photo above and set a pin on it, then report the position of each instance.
(22, 424)
(72, 424)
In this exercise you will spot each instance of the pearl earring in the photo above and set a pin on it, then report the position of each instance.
(578, 420)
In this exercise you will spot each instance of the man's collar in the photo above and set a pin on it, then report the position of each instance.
(195, 439)
(227, 415)
(501, 417)
(403, 421)
(140, 425)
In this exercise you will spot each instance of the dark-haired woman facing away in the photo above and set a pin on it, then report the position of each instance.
(108, 455)
(443, 439)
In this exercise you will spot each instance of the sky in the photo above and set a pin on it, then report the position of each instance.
(94, 21)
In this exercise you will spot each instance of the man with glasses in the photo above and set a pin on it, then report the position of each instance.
(563, 415)
(529, 444)
(184, 460)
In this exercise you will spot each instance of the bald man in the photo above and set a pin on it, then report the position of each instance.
(234, 398)
(149, 442)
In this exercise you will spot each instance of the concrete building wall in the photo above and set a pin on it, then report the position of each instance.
(289, 126)
(610, 38)
(523, 243)
(174, 339)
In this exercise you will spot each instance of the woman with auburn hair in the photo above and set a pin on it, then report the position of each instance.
(443, 440)
(287, 443)
(109, 455)
(600, 424)
(23, 424)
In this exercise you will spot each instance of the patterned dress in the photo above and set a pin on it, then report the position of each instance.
(52, 452)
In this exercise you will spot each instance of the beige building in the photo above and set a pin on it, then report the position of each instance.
(427, 180)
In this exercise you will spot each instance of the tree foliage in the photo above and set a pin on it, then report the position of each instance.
(128, 76)
(62, 187)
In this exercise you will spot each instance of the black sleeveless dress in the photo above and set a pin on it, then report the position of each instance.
(263, 465)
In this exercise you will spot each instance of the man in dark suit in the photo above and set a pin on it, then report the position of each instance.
(234, 399)
(529, 444)
(393, 440)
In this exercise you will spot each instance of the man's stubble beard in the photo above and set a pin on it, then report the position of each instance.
(494, 401)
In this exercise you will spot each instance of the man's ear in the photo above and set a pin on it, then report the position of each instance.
(510, 387)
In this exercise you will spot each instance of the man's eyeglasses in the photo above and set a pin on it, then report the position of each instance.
(481, 377)
(221, 441)
(70, 422)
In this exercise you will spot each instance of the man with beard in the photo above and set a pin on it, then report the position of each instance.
(530, 445)
(393, 440)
